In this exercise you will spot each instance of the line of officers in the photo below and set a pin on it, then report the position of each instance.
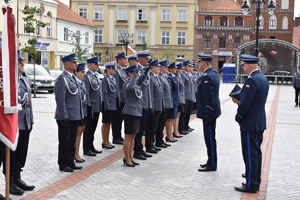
(148, 95)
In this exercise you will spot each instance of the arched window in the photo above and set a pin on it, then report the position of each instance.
(285, 22)
(38, 12)
(49, 14)
(284, 4)
(223, 21)
(261, 22)
(238, 21)
(208, 21)
(273, 22)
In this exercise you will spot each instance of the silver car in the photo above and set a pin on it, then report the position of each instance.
(43, 80)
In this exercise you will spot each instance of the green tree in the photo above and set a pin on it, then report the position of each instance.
(30, 28)
(169, 55)
(144, 46)
(75, 41)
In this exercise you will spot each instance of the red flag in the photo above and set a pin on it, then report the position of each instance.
(273, 53)
(260, 55)
(8, 81)
(131, 49)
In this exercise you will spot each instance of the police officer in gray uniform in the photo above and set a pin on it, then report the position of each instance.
(120, 77)
(180, 130)
(93, 88)
(168, 104)
(68, 113)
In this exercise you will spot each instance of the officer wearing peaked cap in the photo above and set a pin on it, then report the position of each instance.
(120, 77)
(208, 109)
(180, 119)
(68, 113)
(251, 117)
(133, 59)
(92, 84)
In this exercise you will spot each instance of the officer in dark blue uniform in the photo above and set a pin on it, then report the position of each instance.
(68, 113)
(251, 117)
(208, 109)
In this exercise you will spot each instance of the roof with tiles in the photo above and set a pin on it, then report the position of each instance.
(65, 13)
(219, 6)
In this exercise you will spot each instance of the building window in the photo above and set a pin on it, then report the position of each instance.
(223, 21)
(285, 22)
(261, 22)
(86, 37)
(98, 36)
(98, 13)
(166, 15)
(273, 22)
(238, 21)
(208, 21)
(142, 15)
(182, 15)
(38, 29)
(141, 37)
(122, 14)
(165, 37)
(48, 29)
(222, 42)
(207, 42)
(66, 34)
(49, 14)
(236, 42)
(83, 12)
(119, 33)
(181, 37)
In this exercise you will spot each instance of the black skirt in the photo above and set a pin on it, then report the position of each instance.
(132, 124)
(173, 113)
(107, 116)
(83, 122)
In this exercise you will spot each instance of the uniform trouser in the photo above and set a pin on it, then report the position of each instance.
(151, 128)
(89, 132)
(138, 146)
(66, 143)
(195, 103)
(116, 125)
(210, 142)
(297, 91)
(251, 142)
(181, 121)
(187, 113)
(159, 136)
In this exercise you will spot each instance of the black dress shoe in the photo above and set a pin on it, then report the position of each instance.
(66, 169)
(106, 147)
(146, 155)
(117, 141)
(244, 189)
(156, 148)
(21, 184)
(96, 151)
(75, 167)
(79, 161)
(204, 165)
(166, 144)
(161, 145)
(168, 140)
(89, 153)
(151, 150)
(207, 169)
(122, 139)
(244, 184)
(2, 197)
(15, 190)
(183, 133)
(140, 157)
(135, 163)
(244, 175)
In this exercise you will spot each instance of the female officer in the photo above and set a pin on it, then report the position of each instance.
(109, 98)
(173, 111)
(132, 112)
(79, 73)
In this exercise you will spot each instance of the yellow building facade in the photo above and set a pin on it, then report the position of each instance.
(166, 27)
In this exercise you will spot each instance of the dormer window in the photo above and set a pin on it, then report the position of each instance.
(208, 21)
(223, 21)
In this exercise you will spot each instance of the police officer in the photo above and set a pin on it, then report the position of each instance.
(179, 127)
(120, 77)
(68, 113)
(208, 109)
(251, 117)
(168, 103)
(25, 122)
(132, 60)
(93, 88)
(296, 85)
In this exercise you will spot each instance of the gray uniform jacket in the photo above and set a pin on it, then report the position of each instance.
(133, 105)
(93, 88)
(25, 117)
(147, 95)
(120, 77)
(68, 98)
(109, 93)
(193, 89)
(181, 90)
(156, 91)
(188, 86)
(296, 80)
(85, 98)
(166, 90)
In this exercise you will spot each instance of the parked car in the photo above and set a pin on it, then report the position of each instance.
(43, 80)
(99, 72)
(55, 72)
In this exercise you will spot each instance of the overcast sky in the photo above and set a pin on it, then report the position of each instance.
(296, 13)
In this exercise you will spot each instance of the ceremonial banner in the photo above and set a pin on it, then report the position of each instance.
(131, 49)
(8, 81)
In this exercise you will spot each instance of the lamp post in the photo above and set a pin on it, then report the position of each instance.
(245, 8)
(126, 38)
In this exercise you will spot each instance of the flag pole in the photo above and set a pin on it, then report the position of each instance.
(7, 173)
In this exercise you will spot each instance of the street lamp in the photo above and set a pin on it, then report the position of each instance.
(245, 8)
(126, 38)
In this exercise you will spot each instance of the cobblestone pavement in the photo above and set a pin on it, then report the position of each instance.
(172, 173)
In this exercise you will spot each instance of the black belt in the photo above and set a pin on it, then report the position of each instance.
(26, 105)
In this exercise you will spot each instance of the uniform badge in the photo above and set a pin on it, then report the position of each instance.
(205, 81)
(247, 86)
